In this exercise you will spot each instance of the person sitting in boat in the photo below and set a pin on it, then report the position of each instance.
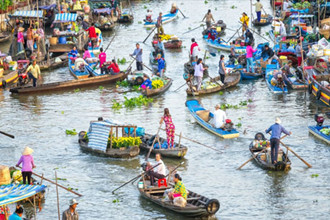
(173, 8)
(73, 53)
(212, 33)
(287, 68)
(297, 32)
(71, 213)
(149, 16)
(277, 79)
(146, 83)
(289, 48)
(248, 37)
(179, 190)
(79, 64)
(285, 75)
(260, 141)
(219, 117)
(4, 212)
(161, 65)
(17, 215)
(113, 68)
(87, 56)
(268, 54)
(160, 45)
(158, 172)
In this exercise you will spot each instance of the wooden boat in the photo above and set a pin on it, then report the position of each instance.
(195, 107)
(5, 36)
(171, 41)
(179, 151)
(189, 68)
(248, 75)
(315, 130)
(316, 86)
(263, 160)
(97, 138)
(77, 73)
(102, 19)
(269, 76)
(231, 80)
(197, 205)
(165, 19)
(154, 92)
(265, 20)
(8, 78)
(71, 84)
(126, 17)
(53, 63)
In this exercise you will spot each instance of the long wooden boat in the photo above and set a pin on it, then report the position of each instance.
(269, 76)
(96, 141)
(53, 63)
(264, 21)
(197, 205)
(77, 73)
(222, 45)
(165, 19)
(321, 92)
(179, 151)
(250, 76)
(263, 160)
(71, 84)
(315, 130)
(153, 92)
(194, 107)
(231, 80)
(171, 43)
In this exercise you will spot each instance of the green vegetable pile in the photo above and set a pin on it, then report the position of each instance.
(300, 5)
(71, 132)
(124, 142)
(137, 101)
(325, 131)
(121, 61)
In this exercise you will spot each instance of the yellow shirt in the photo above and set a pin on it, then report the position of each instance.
(34, 70)
(258, 6)
(245, 20)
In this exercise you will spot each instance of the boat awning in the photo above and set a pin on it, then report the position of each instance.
(98, 135)
(301, 16)
(102, 10)
(16, 192)
(27, 14)
(47, 7)
(65, 17)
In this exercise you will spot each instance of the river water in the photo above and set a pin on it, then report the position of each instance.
(40, 121)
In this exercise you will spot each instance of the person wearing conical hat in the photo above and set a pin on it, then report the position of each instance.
(27, 165)
(277, 129)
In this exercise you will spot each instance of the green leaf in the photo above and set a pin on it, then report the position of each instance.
(101, 87)
(221, 93)
(71, 132)
(239, 125)
(77, 90)
(205, 2)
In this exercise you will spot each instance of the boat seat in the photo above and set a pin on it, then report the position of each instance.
(193, 198)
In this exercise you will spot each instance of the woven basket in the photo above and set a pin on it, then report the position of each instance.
(4, 175)
(204, 114)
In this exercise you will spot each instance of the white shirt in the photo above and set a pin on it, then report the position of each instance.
(282, 29)
(219, 118)
(195, 52)
(161, 169)
(199, 70)
(285, 6)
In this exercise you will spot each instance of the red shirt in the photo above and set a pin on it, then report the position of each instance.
(91, 32)
(192, 47)
(114, 67)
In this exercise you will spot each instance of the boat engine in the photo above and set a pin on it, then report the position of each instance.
(319, 119)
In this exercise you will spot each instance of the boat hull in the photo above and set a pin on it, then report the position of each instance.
(154, 92)
(316, 132)
(166, 19)
(269, 77)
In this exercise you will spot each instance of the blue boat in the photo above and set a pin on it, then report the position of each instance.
(194, 107)
(315, 130)
(166, 19)
(77, 73)
(222, 45)
(269, 76)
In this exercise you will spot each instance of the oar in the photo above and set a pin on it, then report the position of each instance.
(180, 87)
(152, 146)
(254, 156)
(256, 33)
(264, 11)
(211, 53)
(9, 135)
(234, 34)
(197, 142)
(134, 178)
(307, 164)
(110, 42)
(143, 64)
(175, 169)
(149, 34)
(182, 13)
(202, 25)
(43, 178)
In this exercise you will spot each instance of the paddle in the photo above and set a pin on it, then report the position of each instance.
(211, 53)
(307, 164)
(234, 34)
(202, 25)
(110, 42)
(149, 34)
(43, 178)
(152, 146)
(133, 179)
(197, 142)
(264, 10)
(182, 13)
(8, 135)
(180, 87)
(143, 64)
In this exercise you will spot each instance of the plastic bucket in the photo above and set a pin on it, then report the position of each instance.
(62, 40)
(53, 40)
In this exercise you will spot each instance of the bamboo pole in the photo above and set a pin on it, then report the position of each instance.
(38, 26)
(251, 11)
(318, 14)
(325, 10)
(57, 199)
(34, 207)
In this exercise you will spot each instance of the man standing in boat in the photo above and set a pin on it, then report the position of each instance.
(258, 6)
(33, 72)
(138, 53)
(275, 138)
(160, 171)
(209, 18)
(71, 213)
(159, 24)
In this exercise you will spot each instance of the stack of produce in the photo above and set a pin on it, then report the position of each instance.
(124, 142)
(325, 131)
(209, 85)
(158, 82)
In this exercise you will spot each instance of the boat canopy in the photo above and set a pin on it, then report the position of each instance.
(27, 14)
(301, 16)
(47, 7)
(65, 17)
(16, 192)
(98, 135)
(102, 10)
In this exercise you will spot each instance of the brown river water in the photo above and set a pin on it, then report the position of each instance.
(40, 121)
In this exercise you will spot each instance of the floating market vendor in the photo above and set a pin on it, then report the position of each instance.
(199, 71)
(27, 165)
(173, 8)
(159, 24)
(138, 53)
(219, 117)
(268, 54)
(245, 22)
(179, 191)
(149, 16)
(258, 7)
(33, 72)
(158, 172)
(113, 68)
(146, 83)
(169, 127)
(194, 50)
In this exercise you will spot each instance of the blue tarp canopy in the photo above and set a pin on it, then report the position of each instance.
(103, 10)
(47, 7)
(65, 17)
(28, 14)
(16, 192)
(98, 135)
(301, 16)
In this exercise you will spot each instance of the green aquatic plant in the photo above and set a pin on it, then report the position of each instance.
(123, 83)
(71, 132)
(116, 105)
(77, 90)
(137, 101)
(314, 175)
(101, 87)
(122, 61)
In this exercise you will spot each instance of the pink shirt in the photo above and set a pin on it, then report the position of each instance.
(86, 54)
(20, 37)
(102, 58)
(249, 52)
(27, 161)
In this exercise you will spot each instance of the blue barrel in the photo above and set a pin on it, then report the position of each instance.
(62, 40)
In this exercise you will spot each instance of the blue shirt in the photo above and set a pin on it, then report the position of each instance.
(277, 130)
(138, 53)
(73, 53)
(147, 83)
(14, 217)
(291, 49)
(161, 64)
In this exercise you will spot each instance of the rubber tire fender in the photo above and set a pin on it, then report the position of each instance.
(210, 208)
(138, 81)
(4, 84)
(28, 52)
